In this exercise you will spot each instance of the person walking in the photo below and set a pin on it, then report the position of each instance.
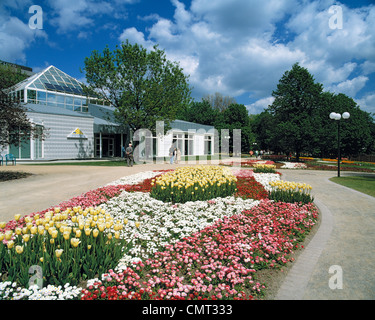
(129, 155)
(171, 154)
(178, 155)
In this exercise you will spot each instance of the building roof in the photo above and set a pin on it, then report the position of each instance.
(187, 126)
(38, 108)
(51, 79)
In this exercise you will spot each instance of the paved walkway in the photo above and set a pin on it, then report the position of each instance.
(345, 242)
(53, 184)
(345, 238)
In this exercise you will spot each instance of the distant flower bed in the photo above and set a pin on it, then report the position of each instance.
(294, 165)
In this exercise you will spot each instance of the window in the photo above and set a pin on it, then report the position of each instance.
(31, 96)
(207, 144)
(60, 101)
(189, 144)
(51, 99)
(41, 97)
(77, 104)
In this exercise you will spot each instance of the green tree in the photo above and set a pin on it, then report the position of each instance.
(143, 86)
(15, 127)
(295, 110)
(356, 133)
(199, 112)
(236, 116)
(262, 126)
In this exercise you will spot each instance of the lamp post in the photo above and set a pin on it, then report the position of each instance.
(337, 117)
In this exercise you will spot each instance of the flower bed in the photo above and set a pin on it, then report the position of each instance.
(246, 163)
(293, 165)
(172, 245)
(218, 262)
(193, 184)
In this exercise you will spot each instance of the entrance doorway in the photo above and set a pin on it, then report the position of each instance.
(107, 147)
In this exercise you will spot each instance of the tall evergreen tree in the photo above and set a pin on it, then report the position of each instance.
(295, 110)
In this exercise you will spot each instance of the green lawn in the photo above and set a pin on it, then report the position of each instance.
(365, 184)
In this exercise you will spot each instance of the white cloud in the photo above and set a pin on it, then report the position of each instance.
(71, 15)
(135, 36)
(15, 37)
(367, 103)
(259, 105)
(231, 46)
(350, 87)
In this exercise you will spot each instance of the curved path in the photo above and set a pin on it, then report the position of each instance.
(339, 262)
(52, 184)
(345, 238)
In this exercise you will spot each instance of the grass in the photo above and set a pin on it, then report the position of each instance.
(364, 184)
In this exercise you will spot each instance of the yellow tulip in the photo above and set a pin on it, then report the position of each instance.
(89, 246)
(126, 221)
(95, 233)
(58, 252)
(66, 235)
(57, 210)
(41, 259)
(8, 235)
(54, 234)
(19, 249)
(2, 224)
(41, 230)
(26, 237)
(2, 236)
(109, 236)
(75, 242)
(18, 231)
(10, 244)
(87, 231)
(117, 235)
(101, 227)
(17, 217)
(137, 224)
(78, 233)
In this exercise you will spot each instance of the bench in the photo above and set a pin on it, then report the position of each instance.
(11, 158)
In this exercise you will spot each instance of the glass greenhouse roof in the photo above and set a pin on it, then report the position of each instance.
(51, 79)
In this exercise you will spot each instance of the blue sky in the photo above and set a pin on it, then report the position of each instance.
(239, 48)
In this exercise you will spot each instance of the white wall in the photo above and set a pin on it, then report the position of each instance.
(57, 145)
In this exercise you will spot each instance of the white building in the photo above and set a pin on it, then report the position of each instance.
(82, 127)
